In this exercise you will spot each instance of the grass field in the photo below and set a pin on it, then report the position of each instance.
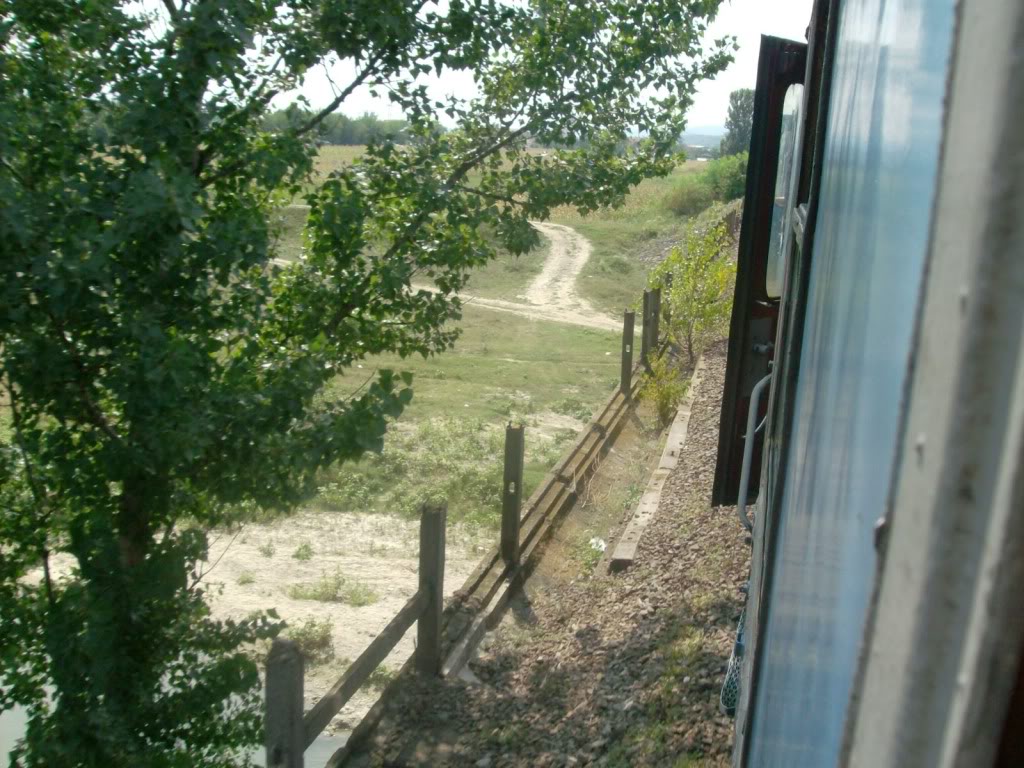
(504, 368)
(448, 444)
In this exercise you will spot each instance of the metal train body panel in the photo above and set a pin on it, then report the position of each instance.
(853, 254)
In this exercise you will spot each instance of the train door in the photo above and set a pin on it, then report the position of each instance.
(752, 329)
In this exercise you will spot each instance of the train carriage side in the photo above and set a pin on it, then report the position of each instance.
(879, 310)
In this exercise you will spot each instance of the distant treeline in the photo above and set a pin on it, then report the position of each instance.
(339, 129)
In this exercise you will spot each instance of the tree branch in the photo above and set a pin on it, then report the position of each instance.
(171, 10)
(98, 418)
(490, 195)
(320, 116)
(416, 224)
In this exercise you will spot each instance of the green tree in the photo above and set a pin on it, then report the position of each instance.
(163, 375)
(699, 300)
(738, 122)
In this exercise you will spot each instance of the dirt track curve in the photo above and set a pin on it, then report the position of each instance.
(552, 296)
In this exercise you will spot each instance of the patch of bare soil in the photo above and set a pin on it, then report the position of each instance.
(374, 559)
(611, 670)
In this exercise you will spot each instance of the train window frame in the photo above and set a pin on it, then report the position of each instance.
(752, 328)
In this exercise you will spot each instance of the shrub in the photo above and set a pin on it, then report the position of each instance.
(303, 552)
(664, 387)
(588, 552)
(380, 678)
(689, 196)
(246, 577)
(314, 640)
(573, 406)
(699, 300)
(723, 179)
(267, 549)
(334, 588)
(726, 177)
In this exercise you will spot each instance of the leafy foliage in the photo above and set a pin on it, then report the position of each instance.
(699, 300)
(738, 122)
(334, 588)
(166, 375)
(723, 179)
(664, 387)
(689, 196)
(726, 177)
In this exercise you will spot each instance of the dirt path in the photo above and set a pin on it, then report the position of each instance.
(552, 296)
(608, 670)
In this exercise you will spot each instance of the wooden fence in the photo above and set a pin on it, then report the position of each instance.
(288, 730)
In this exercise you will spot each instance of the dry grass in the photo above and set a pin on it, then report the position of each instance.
(332, 158)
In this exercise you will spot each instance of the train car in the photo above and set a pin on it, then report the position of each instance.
(872, 427)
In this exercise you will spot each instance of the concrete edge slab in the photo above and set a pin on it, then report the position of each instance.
(626, 547)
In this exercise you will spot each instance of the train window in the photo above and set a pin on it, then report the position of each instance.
(785, 179)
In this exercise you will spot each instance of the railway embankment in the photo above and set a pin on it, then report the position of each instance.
(590, 667)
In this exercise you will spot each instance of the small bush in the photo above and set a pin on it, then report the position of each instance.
(588, 552)
(303, 552)
(700, 298)
(314, 640)
(334, 588)
(358, 594)
(689, 197)
(726, 177)
(267, 549)
(246, 577)
(721, 180)
(664, 387)
(380, 678)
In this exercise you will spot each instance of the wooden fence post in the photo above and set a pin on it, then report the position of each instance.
(512, 494)
(645, 333)
(626, 374)
(433, 519)
(285, 737)
(668, 299)
(655, 319)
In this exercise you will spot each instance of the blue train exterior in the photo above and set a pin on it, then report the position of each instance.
(880, 305)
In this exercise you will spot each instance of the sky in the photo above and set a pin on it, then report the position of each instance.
(746, 19)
